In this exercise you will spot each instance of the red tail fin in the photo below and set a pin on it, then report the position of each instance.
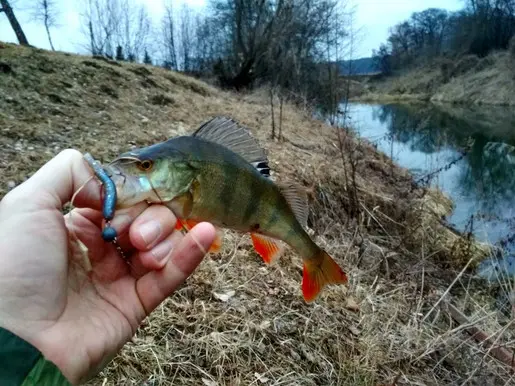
(319, 272)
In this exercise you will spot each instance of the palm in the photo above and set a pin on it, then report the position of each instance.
(102, 309)
(99, 311)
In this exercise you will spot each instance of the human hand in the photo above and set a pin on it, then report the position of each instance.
(80, 322)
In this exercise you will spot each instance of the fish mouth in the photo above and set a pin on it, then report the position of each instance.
(130, 189)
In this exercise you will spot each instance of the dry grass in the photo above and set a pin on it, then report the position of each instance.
(469, 80)
(236, 321)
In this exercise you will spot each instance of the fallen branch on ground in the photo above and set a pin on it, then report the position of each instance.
(500, 353)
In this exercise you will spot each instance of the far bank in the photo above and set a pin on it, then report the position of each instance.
(467, 80)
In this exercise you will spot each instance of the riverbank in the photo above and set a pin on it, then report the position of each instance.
(468, 80)
(237, 321)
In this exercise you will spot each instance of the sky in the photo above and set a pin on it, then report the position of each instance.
(372, 20)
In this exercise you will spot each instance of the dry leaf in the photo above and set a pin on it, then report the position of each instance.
(224, 296)
(354, 330)
(351, 304)
(261, 378)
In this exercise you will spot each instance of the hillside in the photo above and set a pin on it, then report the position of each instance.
(469, 79)
(390, 325)
(361, 66)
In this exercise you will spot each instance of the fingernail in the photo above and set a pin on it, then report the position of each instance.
(150, 231)
(162, 250)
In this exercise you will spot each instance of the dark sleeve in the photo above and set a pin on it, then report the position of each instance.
(21, 364)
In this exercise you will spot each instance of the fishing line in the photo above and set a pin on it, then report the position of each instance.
(84, 249)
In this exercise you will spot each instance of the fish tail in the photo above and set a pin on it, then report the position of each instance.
(319, 271)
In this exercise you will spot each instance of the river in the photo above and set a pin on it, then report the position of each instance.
(426, 137)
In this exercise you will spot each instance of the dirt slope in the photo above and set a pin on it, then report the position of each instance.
(399, 256)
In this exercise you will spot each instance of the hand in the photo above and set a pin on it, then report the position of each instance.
(80, 320)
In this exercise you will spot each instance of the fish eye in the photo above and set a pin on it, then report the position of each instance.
(145, 165)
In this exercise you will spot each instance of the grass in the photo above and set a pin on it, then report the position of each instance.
(237, 321)
(468, 80)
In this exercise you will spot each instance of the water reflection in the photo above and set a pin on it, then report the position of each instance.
(425, 138)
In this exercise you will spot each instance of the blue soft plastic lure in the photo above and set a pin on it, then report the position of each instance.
(109, 202)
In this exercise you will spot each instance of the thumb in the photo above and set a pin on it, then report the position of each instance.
(55, 183)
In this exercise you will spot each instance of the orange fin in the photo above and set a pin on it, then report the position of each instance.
(268, 248)
(216, 246)
(319, 272)
(188, 224)
(179, 226)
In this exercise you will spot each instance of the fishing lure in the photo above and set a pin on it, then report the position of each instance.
(109, 201)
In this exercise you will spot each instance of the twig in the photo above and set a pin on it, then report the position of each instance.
(500, 353)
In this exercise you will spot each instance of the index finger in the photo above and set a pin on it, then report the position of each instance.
(157, 285)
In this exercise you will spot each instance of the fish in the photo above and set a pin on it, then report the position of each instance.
(220, 174)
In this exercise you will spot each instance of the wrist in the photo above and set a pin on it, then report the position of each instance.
(22, 364)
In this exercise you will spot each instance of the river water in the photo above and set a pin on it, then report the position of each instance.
(425, 138)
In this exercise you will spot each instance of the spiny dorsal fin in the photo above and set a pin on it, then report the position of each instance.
(297, 199)
(226, 132)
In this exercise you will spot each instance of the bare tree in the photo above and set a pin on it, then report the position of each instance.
(9, 13)
(186, 40)
(112, 23)
(132, 27)
(47, 12)
(99, 20)
(169, 37)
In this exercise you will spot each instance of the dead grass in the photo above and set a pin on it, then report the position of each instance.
(236, 321)
(469, 80)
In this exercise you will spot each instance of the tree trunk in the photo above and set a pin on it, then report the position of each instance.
(14, 22)
(281, 99)
(272, 110)
(48, 33)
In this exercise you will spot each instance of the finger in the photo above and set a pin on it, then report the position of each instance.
(123, 221)
(143, 262)
(82, 219)
(156, 286)
(56, 182)
(154, 225)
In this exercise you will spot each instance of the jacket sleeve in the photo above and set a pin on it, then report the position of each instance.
(21, 364)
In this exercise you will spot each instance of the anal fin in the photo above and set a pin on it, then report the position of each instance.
(268, 248)
(186, 225)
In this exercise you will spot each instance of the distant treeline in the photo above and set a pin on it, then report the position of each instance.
(481, 27)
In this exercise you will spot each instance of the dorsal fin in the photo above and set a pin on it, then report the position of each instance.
(297, 199)
(226, 132)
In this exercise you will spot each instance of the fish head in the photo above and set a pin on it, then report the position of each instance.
(155, 174)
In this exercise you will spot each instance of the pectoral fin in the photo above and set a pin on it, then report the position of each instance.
(186, 225)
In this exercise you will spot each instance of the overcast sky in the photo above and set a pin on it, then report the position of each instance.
(372, 18)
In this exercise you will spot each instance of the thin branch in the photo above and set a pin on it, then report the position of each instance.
(500, 353)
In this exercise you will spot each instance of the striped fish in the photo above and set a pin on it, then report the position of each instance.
(220, 174)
